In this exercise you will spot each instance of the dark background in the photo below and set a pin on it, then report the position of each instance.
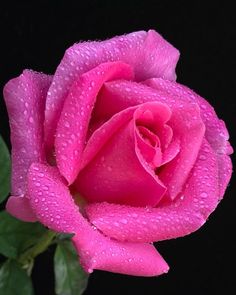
(35, 34)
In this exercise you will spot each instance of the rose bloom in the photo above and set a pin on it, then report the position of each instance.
(112, 149)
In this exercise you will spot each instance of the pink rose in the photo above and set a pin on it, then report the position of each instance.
(145, 157)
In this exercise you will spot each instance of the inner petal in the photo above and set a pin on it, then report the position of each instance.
(148, 136)
(119, 172)
(150, 121)
(149, 145)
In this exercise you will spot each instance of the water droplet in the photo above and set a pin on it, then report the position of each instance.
(202, 157)
(31, 120)
(134, 215)
(204, 195)
(67, 124)
(125, 221)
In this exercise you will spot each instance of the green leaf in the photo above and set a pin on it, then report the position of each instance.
(14, 280)
(16, 236)
(5, 168)
(62, 237)
(69, 275)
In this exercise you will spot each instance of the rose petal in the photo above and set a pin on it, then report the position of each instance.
(216, 131)
(55, 208)
(149, 118)
(116, 96)
(171, 151)
(225, 172)
(102, 134)
(183, 216)
(20, 208)
(147, 52)
(137, 259)
(188, 127)
(74, 120)
(25, 100)
(185, 122)
(148, 144)
(118, 173)
(160, 58)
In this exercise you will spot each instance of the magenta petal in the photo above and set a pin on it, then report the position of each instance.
(186, 124)
(188, 127)
(74, 120)
(25, 100)
(148, 145)
(216, 132)
(183, 216)
(171, 151)
(119, 95)
(149, 119)
(225, 171)
(160, 58)
(55, 208)
(137, 259)
(102, 135)
(51, 200)
(118, 173)
(20, 208)
(148, 53)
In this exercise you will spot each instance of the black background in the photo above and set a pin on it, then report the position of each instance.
(35, 34)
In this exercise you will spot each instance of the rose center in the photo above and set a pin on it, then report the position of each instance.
(148, 136)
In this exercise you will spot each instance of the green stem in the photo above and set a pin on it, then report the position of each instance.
(26, 258)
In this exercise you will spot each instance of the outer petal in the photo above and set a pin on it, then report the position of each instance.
(225, 172)
(20, 208)
(55, 208)
(74, 120)
(147, 52)
(25, 100)
(137, 259)
(185, 215)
